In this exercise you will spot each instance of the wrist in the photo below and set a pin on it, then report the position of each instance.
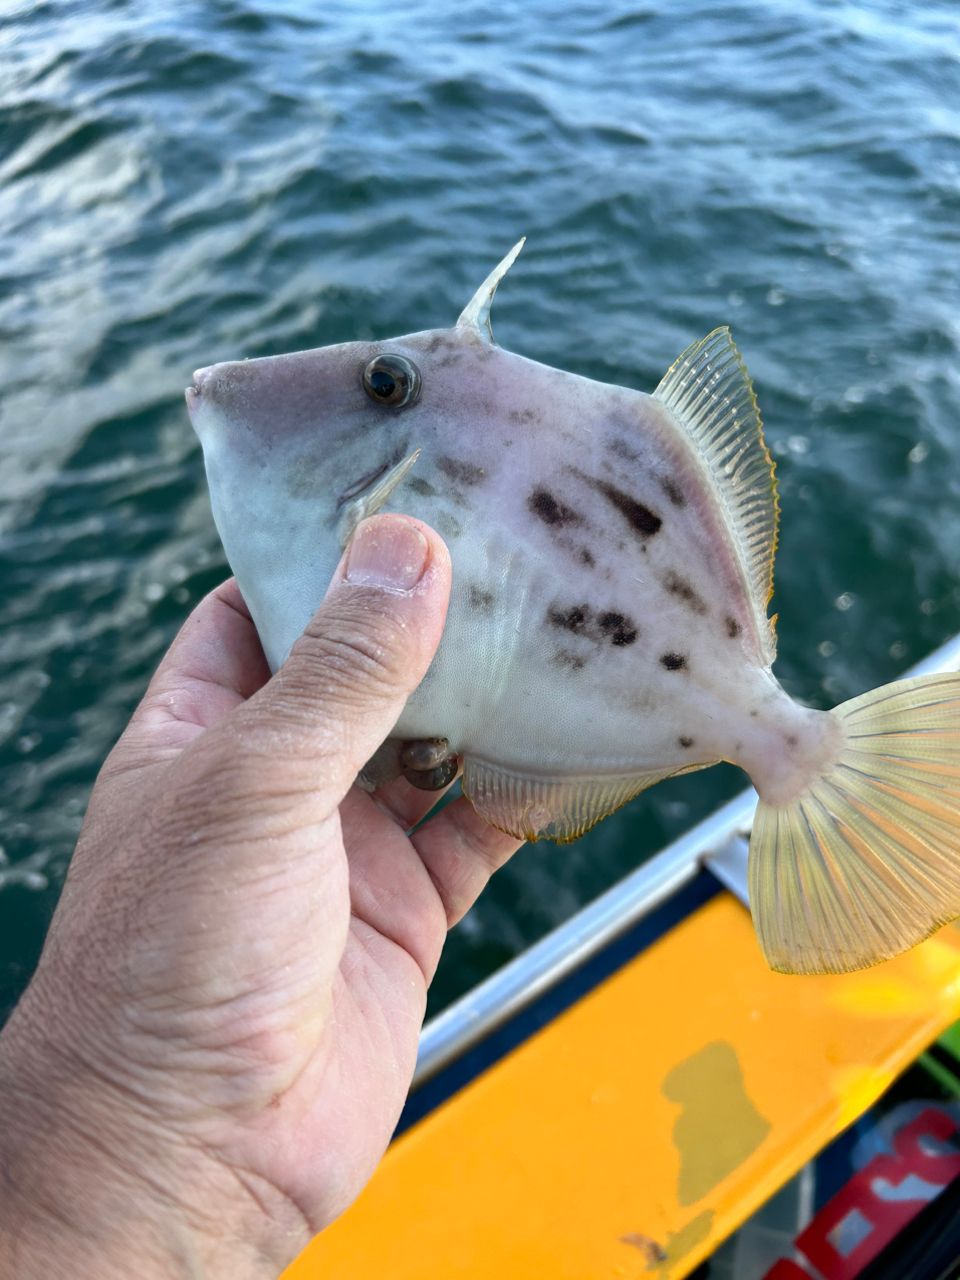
(90, 1187)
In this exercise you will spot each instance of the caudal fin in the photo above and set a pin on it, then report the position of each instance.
(866, 862)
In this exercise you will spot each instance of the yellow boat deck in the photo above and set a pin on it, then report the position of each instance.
(648, 1121)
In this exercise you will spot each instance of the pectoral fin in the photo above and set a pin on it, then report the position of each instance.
(369, 501)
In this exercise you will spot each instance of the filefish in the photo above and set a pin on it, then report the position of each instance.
(608, 627)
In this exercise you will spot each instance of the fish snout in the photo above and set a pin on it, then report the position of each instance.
(214, 388)
(228, 382)
(269, 398)
(194, 393)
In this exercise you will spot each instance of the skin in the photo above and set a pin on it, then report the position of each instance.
(223, 1026)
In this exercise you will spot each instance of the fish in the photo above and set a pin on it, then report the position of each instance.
(609, 624)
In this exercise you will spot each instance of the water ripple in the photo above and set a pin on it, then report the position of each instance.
(176, 191)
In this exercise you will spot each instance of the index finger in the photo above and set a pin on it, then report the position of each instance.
(215, 663)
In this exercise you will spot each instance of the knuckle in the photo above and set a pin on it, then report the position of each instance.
(352, 656)
(240, 788)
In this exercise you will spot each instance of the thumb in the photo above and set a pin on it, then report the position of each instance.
(366, 649)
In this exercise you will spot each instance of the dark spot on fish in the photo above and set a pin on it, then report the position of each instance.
(673, 661)
(641, 518)
(523, 417)
(569, 661)
(738, 746)
(550, 510)
(682, 589)
(684, 741)
(586, 557)
(754, 713)
(462, 472)
(733, 627)
(448, 524)
(610, 626)
(792, 740)
(617, 628)
(623, 450)
(436, 342)
(421, 486)
(480, 599)
(673, 491)
(573, 619)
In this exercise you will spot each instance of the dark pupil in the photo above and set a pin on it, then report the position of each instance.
(382, 384)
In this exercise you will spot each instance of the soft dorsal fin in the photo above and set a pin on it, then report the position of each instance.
(709, 390)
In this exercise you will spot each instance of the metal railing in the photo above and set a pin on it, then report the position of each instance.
(718, 842)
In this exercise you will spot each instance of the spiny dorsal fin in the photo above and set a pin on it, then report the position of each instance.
(476, 314)
(709, 390)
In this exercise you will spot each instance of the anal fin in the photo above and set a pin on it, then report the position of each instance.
(535, 807)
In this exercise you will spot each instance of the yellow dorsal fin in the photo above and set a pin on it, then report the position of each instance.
(709, 390)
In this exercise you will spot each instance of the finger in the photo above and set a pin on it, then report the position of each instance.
(405, 804)
(214, 664)
(346, 681)
(412, 890)
(390, 889)
(461, 852)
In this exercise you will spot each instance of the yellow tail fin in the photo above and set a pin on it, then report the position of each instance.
(866, 862)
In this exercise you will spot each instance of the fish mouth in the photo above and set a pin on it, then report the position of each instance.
(194, 392)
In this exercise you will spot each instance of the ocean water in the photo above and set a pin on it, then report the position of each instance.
(191, 182)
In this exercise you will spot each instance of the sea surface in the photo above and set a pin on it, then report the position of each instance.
(191, 182)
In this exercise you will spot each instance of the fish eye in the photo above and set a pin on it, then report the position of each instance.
(392, 380)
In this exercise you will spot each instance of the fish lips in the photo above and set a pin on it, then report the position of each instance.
(194, 393)
(212, 400)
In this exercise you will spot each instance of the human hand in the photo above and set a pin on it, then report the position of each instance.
(223, 1026)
